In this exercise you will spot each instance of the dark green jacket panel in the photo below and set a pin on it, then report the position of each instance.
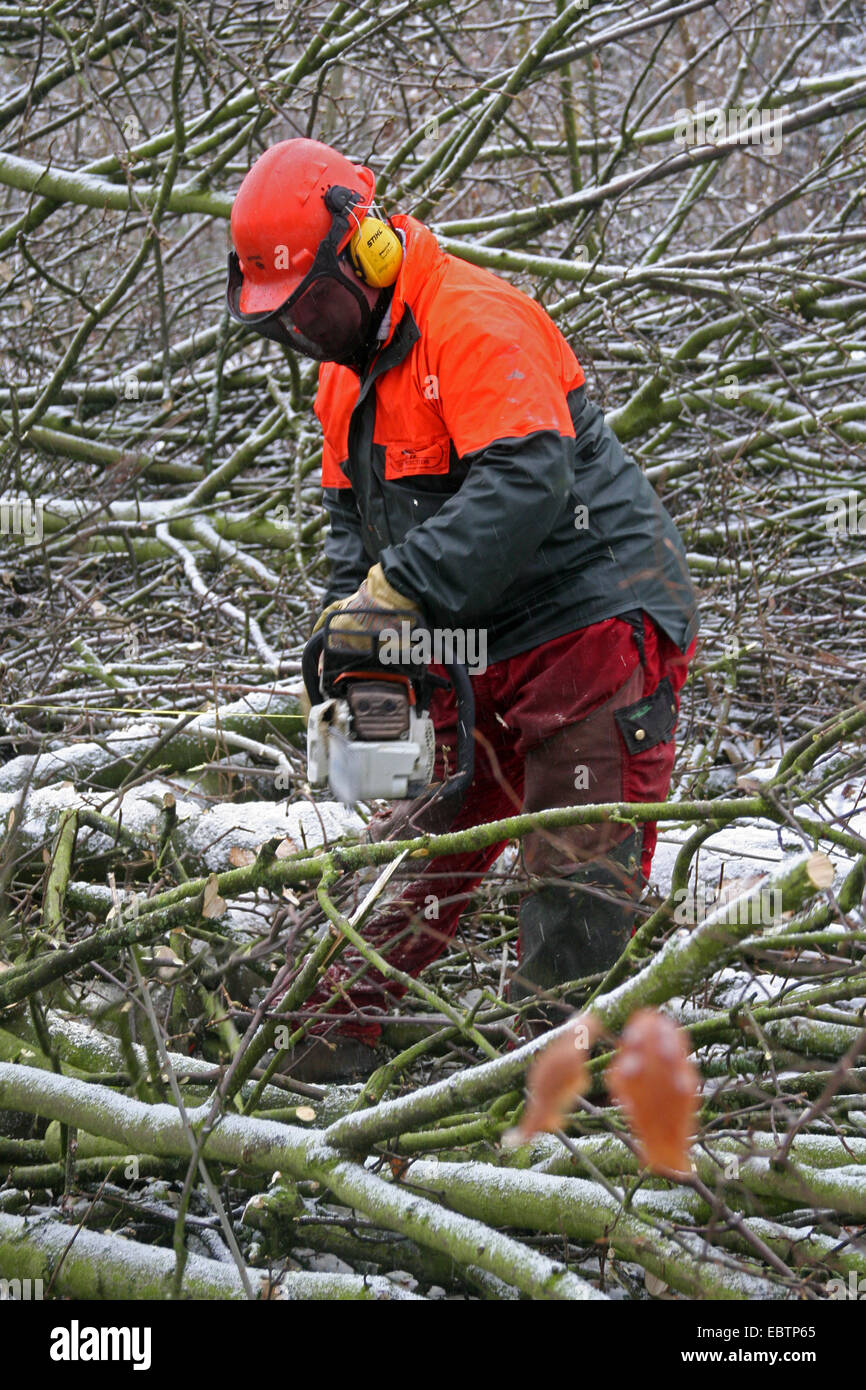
(530, 538)
(344, 547)
(547, 535)
(481, 557)
(630, 552)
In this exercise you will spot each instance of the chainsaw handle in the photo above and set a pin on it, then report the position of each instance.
(459, 784)
(310, 665)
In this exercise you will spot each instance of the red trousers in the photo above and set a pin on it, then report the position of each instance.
(546, 736)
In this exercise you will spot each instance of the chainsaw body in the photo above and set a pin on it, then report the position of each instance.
(369, 733)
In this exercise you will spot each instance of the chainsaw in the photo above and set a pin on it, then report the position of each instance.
(369, 732)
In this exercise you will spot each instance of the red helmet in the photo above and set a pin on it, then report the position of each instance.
(279, 217)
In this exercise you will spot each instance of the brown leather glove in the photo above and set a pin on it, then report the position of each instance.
(370, 601)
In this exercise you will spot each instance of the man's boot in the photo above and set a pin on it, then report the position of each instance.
(575, 927)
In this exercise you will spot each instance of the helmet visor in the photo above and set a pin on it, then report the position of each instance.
(327, 317)
(328, 320)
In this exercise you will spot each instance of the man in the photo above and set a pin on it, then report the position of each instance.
(468, 478)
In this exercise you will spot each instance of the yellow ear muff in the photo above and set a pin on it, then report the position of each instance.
(376, 253)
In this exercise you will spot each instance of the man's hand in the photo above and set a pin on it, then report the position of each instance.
(371, 603)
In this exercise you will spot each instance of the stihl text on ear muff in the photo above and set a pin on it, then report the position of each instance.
(375, 250)
(376, 253)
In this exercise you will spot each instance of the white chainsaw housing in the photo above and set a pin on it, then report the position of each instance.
(359, 770)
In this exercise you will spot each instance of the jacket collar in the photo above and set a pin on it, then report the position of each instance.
(422, 257)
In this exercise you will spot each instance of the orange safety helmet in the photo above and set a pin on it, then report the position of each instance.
(279, 217)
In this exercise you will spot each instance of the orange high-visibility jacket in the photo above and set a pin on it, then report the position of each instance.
(468, 460)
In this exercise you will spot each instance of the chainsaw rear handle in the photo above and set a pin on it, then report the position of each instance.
(457, 786)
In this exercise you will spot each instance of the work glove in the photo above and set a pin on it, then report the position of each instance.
(371, 603)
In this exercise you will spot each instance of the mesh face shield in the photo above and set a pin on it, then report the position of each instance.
(327, 317)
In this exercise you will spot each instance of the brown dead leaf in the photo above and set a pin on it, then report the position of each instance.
(172, 963)
(654, 1080)
(239, 857)
(212, 905)
(556, 1077)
